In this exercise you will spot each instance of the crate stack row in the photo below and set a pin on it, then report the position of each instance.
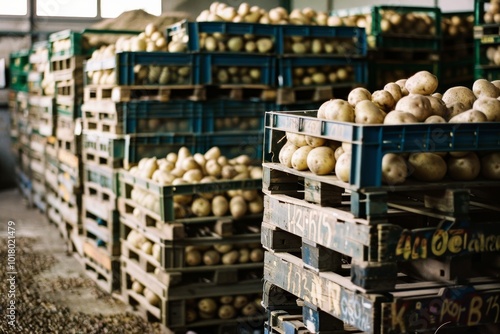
(378, 257)
(404, 40)
(487, 40)
(282, 64)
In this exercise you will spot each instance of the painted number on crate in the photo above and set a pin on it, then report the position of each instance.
(430, 243)
(463, 307)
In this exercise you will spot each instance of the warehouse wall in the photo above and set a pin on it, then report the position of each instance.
(446, 5)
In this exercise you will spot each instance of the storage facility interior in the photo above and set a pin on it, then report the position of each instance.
(261, 167)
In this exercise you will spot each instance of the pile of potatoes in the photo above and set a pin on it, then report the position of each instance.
(492, 12)
(218, 42)
(225, 307)
(391, 22)
(493, 55)
(334, 45)
(202, 255)
(405, 101)
(219, 11)
(65, 45)
(236, 75)
(321, 75)
(185, 168)
(457, 26)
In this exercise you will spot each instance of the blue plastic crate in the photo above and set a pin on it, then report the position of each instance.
(233, 145)
(126, 61)
(141, 117)
(348, 42)
(371, 142)
(212, 63)
(324, 65)
(223, 116)
(189, 33)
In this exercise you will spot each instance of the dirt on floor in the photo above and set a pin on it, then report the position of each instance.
(43, 289)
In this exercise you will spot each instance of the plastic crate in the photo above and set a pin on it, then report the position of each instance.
(480, 8)
(382, 72)
(466, 26)
(140, 117)
(487, 72)
(40, 52)
(356, 71)
(233, 145)
(19, 61)
(456, 73)
(345, 42)
(212, 63)
(166, 61)
(377, 38)
(76, 42)
(18, 81)
(105, 177)
(230, 116)
(371, 142)
(128, 150)
(191, 33)
(481, 52)
(164, 194)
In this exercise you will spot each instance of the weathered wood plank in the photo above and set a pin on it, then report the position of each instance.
(330, 292)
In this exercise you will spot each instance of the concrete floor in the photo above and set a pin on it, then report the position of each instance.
(64, 285)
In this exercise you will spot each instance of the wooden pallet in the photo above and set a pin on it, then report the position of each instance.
(107, 280)
(99, 200)
(102, 233)
(411, 306)
(144, 92)
(171, 310)
(51, 173)
(70, 213)
(69, 159)
(69, 90)
(92, 156)
(67, 68)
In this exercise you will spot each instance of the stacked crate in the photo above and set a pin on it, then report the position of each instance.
(402, 40)
(486, 40)
(382, 258)
(186, 272)
(457, 50)
(125, 119)
(66, 68)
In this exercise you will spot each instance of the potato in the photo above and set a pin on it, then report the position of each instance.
(416, 104)
(256, 205)
(147, 247)
(226, 312)
(402, 84)
(394, 90)
(469, 116)
(484, 88)
(488, 106)
(299, 158)
(455, 109)
(435, 119)
(490, 166)
(230, 257)
(213, 168)
(240, 301)
(201, 207)
(459, 94)
(228, 172)
(367, 112)
(358, 94)
(193, 257)
(238, 206)
(244, 255)
(151, 297)
(223, 248)
(437, 105)
(384, 100)
(322, 108)
(321, 160)
(465, 168)
(257, 255)
(423, 82)
(343, 167)
(394, 170)
(428, 167)
(220, 206)
(338, 152)
(193, 176)
(226, 300)
(137, 287)
(400, 117)
(296, 138)
(211, 257)
(339, 110)
(249, 309)
(315, 141)
(207, 305)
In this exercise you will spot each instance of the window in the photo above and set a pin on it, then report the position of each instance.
(113, 8)
(9, 7)
(75, 8)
